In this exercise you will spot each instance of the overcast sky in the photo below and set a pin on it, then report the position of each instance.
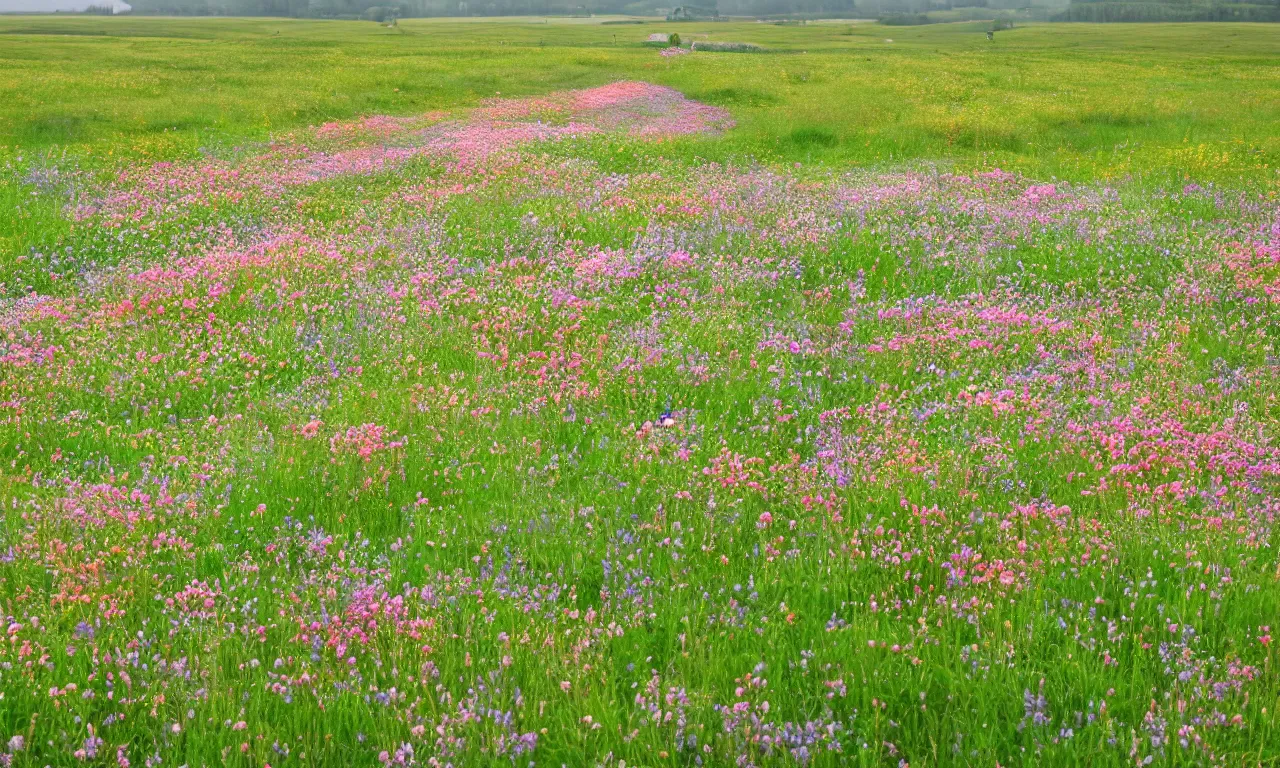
(48, 6)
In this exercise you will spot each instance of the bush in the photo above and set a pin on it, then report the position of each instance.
(1155, 12)
(708, 45)
(674, 40)
(904, 20)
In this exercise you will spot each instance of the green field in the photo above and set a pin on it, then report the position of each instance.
(1074, 101)
(517, 392)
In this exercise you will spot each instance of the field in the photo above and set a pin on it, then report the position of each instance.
(518, 393)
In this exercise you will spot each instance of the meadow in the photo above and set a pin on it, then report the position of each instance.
(518, 393)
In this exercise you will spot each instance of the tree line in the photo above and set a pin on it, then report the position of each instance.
(381, 10)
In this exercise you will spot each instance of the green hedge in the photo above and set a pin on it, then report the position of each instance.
(1142, 12)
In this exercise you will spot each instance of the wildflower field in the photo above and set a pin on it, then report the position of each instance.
(483, 393)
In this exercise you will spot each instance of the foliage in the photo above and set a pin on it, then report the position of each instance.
(725, 46)
(905, 19)
(1165, 12)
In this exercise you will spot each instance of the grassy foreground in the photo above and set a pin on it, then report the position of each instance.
(489, 394)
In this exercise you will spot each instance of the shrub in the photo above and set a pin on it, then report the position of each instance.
(709, 45)
(904, 19)
(1144, 12)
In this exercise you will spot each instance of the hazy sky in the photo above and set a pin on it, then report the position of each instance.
(47, 6)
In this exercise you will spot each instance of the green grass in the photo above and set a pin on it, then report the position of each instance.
(1071, 101)
(943, 439)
